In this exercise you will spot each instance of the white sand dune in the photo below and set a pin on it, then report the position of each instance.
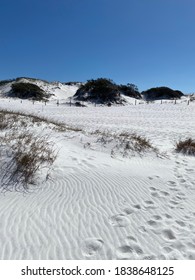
(95, 206)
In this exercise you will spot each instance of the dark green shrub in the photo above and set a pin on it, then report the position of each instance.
(104, 90)
(101, 90)
(130, 90)
(28, 91)
(161, 93)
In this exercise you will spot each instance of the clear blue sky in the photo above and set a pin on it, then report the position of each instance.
(145, 42)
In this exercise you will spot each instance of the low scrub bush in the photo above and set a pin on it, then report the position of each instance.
(101, 90)
(105, 91)
(28, 91)
(130, 90)
(161, 93)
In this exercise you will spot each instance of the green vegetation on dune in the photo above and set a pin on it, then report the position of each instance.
(161, 93)
(28, 91)
(104, 90)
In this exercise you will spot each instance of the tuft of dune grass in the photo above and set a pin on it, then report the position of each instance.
(23, 152)
(186, 147)
(27, 154)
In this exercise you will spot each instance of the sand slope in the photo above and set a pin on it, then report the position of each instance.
(99, 207)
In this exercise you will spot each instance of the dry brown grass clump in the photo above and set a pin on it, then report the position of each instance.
(26, 155)
(3, 123)
(141, 144)
(14, 120)
(136, 144)
(186, 147)
(125, 144)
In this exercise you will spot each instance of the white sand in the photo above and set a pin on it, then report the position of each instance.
(99, 207)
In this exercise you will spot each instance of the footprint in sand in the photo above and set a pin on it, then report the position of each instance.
(91, 247)
(180, 223)
(152, 189)
(174, 189)
(119, 220)
(164, 193)
(142, 229)
(174, 202)
(187, 217)
(155, 194)
(91, 158)
(125, 252)
(180, 197)
(183, 174)
(74, 158)
(191, 255)
(149, 257)
(182, 181)
(157, 217)
(85, 163)
(168, 219)
(137, 206)
(181, 194)
(189, 170)
(167, 249)
(159, 194)
(153, 223)
(129, 251)
(150, 178)
(167, 216)
(82, 162)
(133, 209)
(168, 234)
(131, 238)
(128, 211)
(171, 183)
(149, 204)
(178, 245)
